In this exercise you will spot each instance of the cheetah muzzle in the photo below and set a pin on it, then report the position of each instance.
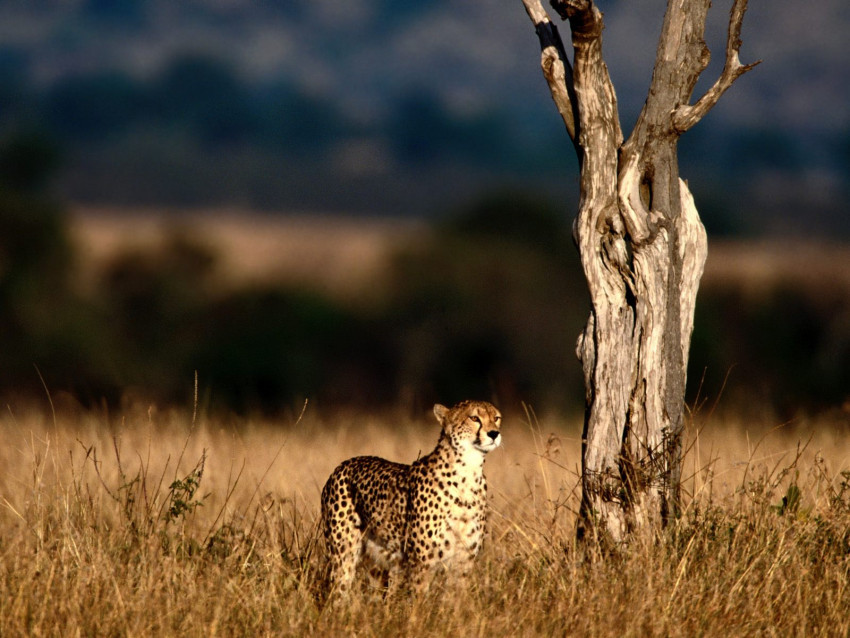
(409, 519)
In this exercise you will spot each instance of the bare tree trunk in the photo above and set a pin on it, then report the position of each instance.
(642, 248)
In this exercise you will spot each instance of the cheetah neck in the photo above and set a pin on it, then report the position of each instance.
(467, 460)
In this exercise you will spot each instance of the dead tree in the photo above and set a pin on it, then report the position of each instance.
(642, 248)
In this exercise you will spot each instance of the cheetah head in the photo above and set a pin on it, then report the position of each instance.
(471, 424)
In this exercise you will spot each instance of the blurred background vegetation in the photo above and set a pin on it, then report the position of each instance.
(165, 105)
(487, 300)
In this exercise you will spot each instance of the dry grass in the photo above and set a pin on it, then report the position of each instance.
(757, 266)
(148, 524)
(338, 255)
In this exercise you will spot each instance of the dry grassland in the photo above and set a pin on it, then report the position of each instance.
(151, 523)
(338, 255)
(159, 523)
(341, 254)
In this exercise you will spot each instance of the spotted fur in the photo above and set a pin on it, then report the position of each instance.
(408, 519)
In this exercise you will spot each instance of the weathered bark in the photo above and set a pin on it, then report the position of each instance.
(642, 248)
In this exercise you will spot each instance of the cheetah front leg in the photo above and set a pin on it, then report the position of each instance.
(424, 552)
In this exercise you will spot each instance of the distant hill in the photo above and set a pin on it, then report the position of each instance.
(401, 108)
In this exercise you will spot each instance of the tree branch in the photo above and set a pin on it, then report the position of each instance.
(556, 67)
(687, 115)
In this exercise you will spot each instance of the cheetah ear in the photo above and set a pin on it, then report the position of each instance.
(440, 411)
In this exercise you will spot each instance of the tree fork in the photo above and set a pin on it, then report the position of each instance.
(642, 248)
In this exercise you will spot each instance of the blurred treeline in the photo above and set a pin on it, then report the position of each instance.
(196, 131)
(487, 303)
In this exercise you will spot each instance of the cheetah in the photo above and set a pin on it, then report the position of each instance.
(409, 519)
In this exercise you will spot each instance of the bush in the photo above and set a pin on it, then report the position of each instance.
(489, 305)
(787, 348)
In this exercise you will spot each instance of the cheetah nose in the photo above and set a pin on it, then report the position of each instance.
(493, 434)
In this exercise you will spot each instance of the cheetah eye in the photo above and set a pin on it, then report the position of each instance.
(474, 418)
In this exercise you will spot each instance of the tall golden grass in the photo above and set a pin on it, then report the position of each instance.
(165, 523)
